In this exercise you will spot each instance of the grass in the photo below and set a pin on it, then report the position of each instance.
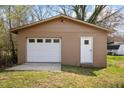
(71, 76)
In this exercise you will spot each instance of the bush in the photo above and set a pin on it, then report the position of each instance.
(6, 58)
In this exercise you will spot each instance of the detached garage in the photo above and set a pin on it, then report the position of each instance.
(62, 39)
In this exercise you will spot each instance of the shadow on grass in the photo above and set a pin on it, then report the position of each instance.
(80, 70)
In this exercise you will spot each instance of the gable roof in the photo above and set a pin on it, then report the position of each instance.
(15, 30)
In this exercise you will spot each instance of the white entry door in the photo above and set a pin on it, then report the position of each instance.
(43, 50)
(86, 52)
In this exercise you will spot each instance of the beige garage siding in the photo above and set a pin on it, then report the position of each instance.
(70, 32)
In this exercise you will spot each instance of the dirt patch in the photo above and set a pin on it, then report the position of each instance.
(121, 65)
(4, 78)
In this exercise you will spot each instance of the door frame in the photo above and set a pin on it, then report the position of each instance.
(81, 49)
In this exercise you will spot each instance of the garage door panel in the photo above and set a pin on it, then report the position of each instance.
(44, 52)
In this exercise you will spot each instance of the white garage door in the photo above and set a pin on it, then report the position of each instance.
(43, 50)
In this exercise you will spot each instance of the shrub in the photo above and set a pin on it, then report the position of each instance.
(6, 58)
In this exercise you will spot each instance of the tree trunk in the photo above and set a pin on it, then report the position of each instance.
(14, 61)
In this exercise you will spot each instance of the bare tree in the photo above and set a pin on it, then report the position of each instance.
(40, 12)
(101, 15)
(80, 11)
(62, 9)
(111, 18)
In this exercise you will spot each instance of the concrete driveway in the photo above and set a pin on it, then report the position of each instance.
(54, 66)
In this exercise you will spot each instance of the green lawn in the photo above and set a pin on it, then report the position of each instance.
(71, 76)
